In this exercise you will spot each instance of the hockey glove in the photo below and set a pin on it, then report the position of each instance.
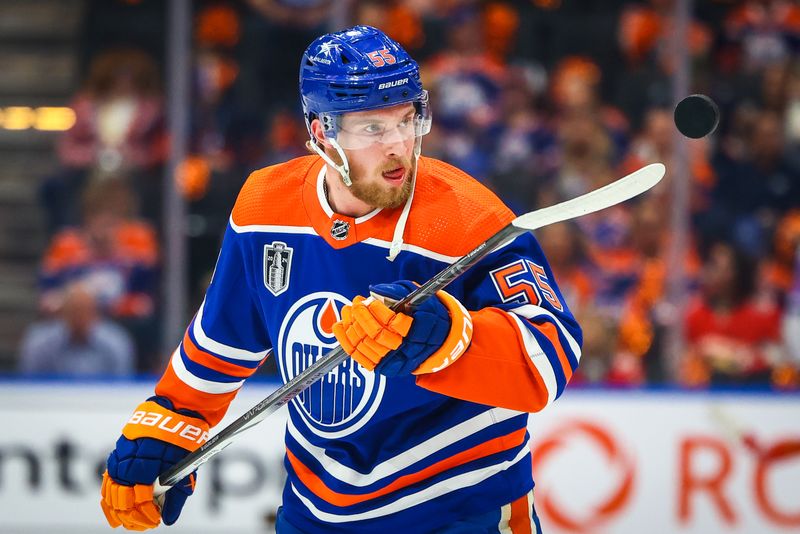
(393, 344)
(155, 438)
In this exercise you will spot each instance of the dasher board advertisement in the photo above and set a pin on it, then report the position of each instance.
(616, 462)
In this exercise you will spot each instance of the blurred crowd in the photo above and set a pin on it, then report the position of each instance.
(537, 107)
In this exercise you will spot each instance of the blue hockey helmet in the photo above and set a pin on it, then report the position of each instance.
(358, 69)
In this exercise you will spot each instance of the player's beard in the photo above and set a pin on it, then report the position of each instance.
(380, 194)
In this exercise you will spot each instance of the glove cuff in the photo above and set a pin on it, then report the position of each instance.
(457, 341)
(151, 420)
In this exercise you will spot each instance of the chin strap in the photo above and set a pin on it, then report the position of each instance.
(343, 169)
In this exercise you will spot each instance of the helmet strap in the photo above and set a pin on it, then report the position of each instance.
(343, 169)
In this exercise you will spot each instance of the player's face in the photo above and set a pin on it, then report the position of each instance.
(381, 166)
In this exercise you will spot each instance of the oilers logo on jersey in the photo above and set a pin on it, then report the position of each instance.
(277, 267)
(347, 397)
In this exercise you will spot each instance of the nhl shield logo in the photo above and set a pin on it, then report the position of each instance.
(340, 229)
(277, 267)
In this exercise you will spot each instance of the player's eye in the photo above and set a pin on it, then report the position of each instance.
(406, 123)
(373, 128)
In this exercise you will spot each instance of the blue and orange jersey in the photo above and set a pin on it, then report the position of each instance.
(365, 452)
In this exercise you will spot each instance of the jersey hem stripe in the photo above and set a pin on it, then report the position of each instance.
(464, 480)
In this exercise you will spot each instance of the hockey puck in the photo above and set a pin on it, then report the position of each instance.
(696, 116)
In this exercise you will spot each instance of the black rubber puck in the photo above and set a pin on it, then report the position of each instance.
(696, 116)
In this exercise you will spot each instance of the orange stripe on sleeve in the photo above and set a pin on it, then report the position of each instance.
(551, 332)
(496, 370)
(212, 406)
(316, 485)
(205, 359)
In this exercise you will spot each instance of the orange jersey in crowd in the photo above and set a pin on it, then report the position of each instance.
(123, 278)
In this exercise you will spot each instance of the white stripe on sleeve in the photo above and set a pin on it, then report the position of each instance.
(539, 359)
(530, 311)
(200, 384)
(216, 347)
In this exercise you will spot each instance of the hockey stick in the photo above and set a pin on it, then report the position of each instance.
(604, 197)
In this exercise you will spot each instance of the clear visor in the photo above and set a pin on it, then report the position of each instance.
(355, 131)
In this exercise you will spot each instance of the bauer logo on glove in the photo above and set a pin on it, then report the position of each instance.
(156, 421)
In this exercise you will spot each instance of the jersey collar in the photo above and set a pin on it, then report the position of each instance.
(336, 229)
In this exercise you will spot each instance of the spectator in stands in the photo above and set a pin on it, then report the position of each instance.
(599, 350)
(115, 257)
(119, 116)
(575, 91)
(592, 136)
(646, 32)
(397, 18)
(569, 261)
(654, 143)
(767, 31)
(642, 320)
(587, 155)
(226, 139)
(225, 132)
(789, 374)
(525, 154)
(276, 33)
(731, 334)
(779, 269)
(756, 188)
(78, 342)
(119, 129)
(467, 81)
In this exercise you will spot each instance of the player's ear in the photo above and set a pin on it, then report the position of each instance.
(319, 135)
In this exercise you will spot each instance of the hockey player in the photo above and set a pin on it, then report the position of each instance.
(424, 428)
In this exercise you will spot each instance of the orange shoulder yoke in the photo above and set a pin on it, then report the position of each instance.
(272, 195)
(452, 213)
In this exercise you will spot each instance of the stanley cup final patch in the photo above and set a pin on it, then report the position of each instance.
(277, 267)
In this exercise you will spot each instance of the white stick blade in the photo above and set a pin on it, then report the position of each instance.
(621, 190)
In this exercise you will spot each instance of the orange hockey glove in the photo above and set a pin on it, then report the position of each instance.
(155, 438)
(393, 344)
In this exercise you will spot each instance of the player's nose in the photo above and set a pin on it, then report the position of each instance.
(393, 140)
